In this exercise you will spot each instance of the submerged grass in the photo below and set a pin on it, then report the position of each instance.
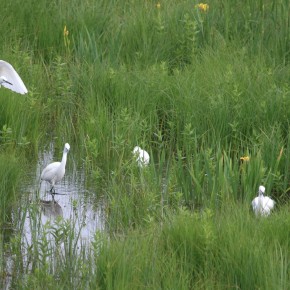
(198, 89)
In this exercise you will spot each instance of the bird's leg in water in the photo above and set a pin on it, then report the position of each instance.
(52, 192)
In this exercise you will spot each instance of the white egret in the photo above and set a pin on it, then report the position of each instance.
(262, 205)
(142, 156)
(10, 79)
(54, 172)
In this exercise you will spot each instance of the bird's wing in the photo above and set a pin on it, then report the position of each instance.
(268, 202)
(49, 171)
(143, 157)
(7, 71)
(146, 157)
(255, 203)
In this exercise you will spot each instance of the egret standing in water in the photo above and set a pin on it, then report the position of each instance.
(10, 79)
(262, 205)
(54, 172)
(142, 156)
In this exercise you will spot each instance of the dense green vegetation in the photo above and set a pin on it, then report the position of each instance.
(198, 88)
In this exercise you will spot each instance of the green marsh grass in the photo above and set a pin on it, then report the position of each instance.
(10, 177)
(201, 250)
(197, 90)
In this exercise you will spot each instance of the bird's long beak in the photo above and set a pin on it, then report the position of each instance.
(8, 82)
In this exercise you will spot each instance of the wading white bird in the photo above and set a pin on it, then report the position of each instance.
(262, 205)
(54, 172)
(142, 156)
(10, 79)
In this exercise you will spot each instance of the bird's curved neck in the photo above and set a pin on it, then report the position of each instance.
(63, 160)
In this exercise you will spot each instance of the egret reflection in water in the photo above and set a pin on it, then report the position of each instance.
(50, 208)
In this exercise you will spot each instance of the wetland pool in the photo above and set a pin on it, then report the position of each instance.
(72, 219)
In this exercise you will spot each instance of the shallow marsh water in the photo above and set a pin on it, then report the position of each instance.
(74, 202)
(74, 216)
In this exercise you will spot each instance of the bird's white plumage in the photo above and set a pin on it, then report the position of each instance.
(262, 205)
(142, 156)
(49, 173)
(10, 79)
(54, 172)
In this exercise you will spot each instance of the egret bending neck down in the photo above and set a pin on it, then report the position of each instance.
(262, 205)
(142, 156)
(54, 172)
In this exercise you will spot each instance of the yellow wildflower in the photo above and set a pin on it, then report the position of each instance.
(65, 31)
(66, 38)
(202, 7)
(245, 158)
(158, 5)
